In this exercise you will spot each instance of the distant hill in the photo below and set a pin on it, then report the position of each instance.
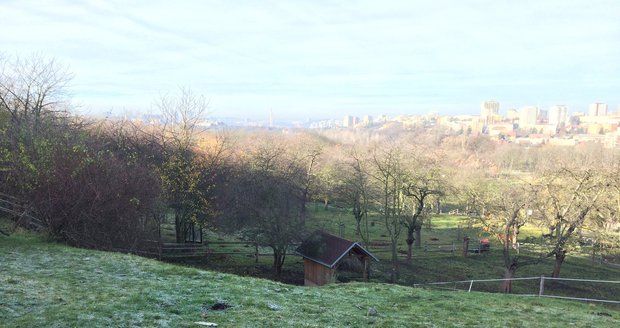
(44, 284)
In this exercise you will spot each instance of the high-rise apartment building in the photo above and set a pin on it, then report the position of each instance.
(558, 115)
(528, 116)
(543, 115)
(350, 121)
(597, 109)
(488, 110)
(347, 121)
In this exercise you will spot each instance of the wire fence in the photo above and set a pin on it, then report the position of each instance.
(206, 250)
(589, 290)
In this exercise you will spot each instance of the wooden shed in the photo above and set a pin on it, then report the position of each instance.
(323, 251)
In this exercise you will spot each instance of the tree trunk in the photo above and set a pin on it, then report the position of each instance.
(514, 238)
(559, 260)
(178, 228)
(303, 212)
(394, 274)
(358, 226)
(418, 237)
(277, 263)
(509, 273)
(325, 204)
(410, 241)
(465, 246)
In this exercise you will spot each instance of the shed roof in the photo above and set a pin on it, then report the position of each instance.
(327, 249)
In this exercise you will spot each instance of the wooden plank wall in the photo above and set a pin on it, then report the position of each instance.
(316, 274)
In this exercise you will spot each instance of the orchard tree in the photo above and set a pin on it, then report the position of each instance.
(310, 160)
(356, 190)
(607, 228)
(388, 172)
(328, 181)
(267, 209)
(570, 202)
(425, 179)
(502, 208)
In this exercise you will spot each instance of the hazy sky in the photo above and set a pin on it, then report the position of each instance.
(327, 58)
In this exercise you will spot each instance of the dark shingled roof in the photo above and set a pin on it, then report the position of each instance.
(327, 249)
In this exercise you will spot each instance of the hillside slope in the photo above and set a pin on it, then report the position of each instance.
(47, 284)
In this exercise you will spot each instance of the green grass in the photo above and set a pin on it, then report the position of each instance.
(427, 266)
(52, 285)
(436, 266)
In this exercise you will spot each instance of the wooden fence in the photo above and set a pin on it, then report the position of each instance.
(19, 213)
(427, 248)
(205, 250)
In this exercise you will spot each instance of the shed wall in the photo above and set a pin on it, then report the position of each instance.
(316, 274)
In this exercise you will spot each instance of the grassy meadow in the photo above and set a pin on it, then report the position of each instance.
(427, 266)
(52, 285)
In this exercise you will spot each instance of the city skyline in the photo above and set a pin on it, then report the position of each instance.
(327, 60)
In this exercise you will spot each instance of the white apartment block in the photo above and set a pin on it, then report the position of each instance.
(528, 116)
(558, 115)
(597, 109)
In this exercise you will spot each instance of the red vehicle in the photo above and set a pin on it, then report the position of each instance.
(485, 245)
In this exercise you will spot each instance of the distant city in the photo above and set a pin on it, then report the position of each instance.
(527, 125)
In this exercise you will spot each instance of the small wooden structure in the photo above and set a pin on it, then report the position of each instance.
(323, 251)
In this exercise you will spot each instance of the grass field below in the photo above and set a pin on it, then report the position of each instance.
(52, 285)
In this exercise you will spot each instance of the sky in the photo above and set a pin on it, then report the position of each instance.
(324, 59)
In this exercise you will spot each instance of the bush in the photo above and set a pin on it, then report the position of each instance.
(96, 199)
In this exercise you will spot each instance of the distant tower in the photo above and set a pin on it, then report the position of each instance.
(271, 118)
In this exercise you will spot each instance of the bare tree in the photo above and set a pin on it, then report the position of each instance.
(32, 94)
(185, 186)
(311, 160)
(267, 207)
(355, 190)
(390, 177)
(502, 208)
(570, 201)
(424, 180)
(31, 88)
(182, 115)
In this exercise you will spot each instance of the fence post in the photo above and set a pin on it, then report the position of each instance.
(160, 250)
(453, 248)
(541, 287)
(465, 246)
(471, 283)
(255, 252)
